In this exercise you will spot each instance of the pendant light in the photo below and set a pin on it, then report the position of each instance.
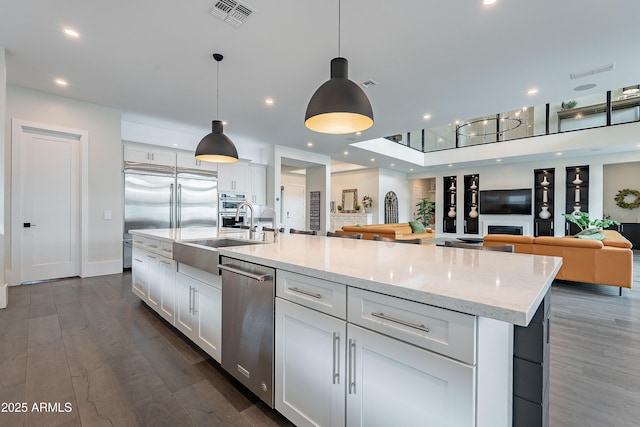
(339, 106)
(217, 147)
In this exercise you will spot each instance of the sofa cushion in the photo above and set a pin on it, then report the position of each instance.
(568, 241)
(416, 227)
(615, 239)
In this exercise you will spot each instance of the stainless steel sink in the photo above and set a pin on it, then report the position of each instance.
(223, 243)
(202, 254)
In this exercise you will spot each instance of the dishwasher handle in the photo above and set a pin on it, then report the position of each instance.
(258, 277)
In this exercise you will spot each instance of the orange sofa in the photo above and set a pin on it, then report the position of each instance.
(400, 231)
(605, 262)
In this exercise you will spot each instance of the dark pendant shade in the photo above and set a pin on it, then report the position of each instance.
(216, 147)
(339, 106)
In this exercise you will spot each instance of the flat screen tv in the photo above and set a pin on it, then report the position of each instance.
(506, 202)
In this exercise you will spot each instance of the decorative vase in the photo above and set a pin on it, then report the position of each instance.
(473, 213)
(577, 181)
(544, 182)
(453, 186)
(576, 210)
(473, 185)
(452, 212)
(544, 213)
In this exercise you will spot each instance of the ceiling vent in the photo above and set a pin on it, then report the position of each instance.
(231, 12)
(591, 72)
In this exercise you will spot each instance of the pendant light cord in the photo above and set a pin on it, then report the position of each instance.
(339, 25)
(217, 89)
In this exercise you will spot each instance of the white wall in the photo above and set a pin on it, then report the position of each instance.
(397, 182)
(363, 180)
(615, 178)
(4, 155)
(105, 165)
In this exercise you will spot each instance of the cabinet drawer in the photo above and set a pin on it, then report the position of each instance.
(443, 331)
(166, 249)
(322, 295)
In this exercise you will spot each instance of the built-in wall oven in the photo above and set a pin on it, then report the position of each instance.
(227, 207)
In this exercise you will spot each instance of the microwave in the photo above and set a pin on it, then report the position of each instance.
(230, 202)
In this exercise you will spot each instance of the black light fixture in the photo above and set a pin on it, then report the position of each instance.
(217, 147)
(339, 106)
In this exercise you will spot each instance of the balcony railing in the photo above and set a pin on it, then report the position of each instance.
(597, 110)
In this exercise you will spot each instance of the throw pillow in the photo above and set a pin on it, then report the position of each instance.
(416, 227)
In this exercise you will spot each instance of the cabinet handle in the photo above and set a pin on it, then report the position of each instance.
(191, 299)
(165, 262)
(138, 260)
(336, 358)
(151, 256)
(195, 300)
(302, 291)
(153, 156)
(400, 321)
(352, 366)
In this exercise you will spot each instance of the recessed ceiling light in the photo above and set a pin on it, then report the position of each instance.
(488, 2)
(558, 154)
(346, 153)
(268, 101)
(426, 116)
(224, 122)
(175, 145)
(498, 160)
(373, 160)
(62, 82)
(71, 32)
(410, 169)
(450, 165)
(393, 164)
(358, 133)
(309, 144)
(532, 91)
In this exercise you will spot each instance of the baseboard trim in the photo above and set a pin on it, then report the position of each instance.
(102, 268)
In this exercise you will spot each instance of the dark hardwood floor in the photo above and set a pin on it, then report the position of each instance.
(88, 352)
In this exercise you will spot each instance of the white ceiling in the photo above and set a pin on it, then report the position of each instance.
(453, 59)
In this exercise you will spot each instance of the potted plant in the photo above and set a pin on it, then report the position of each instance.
(357, 208)
(339, 208)
(426, 210)
(589, 228)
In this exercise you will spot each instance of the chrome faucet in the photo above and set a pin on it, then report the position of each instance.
(276, 231)
(252, 231)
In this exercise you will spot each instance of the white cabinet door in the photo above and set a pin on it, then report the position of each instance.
(208, 312)
(187, 160)
(233, 177)
(394, 383)
(258, 181)
(154, 288)
(168, 292)
(139, 272)
(133, 153)
(309, 366)
(185, 320)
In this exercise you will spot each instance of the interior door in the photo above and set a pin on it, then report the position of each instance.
(294, 207)
(50, 205)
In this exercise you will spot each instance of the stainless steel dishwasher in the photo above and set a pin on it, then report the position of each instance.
(247, 325)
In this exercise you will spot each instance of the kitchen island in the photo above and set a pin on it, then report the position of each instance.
(372, 333)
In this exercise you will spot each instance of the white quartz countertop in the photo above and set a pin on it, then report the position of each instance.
(195, 233)
(503, 286)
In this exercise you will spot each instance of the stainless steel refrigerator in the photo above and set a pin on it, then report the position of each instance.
(161, 197)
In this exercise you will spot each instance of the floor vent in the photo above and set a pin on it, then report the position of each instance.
(231, 11)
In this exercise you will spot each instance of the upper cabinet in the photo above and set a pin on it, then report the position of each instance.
(258, 184)
(188, 160)
(140, 154)
(233, 177)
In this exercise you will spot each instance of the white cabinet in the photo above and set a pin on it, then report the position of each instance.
(233, 177)
(187, 160)
(199, 308)
(141, 154)
(310, 366)
(338, 220)
(258, 184)
(393, 383)
(153, 275)
(139, 272)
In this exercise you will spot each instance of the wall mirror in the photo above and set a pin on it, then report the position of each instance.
(349, 200)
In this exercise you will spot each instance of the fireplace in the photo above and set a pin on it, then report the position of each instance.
(505, 229)
(500, 226)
